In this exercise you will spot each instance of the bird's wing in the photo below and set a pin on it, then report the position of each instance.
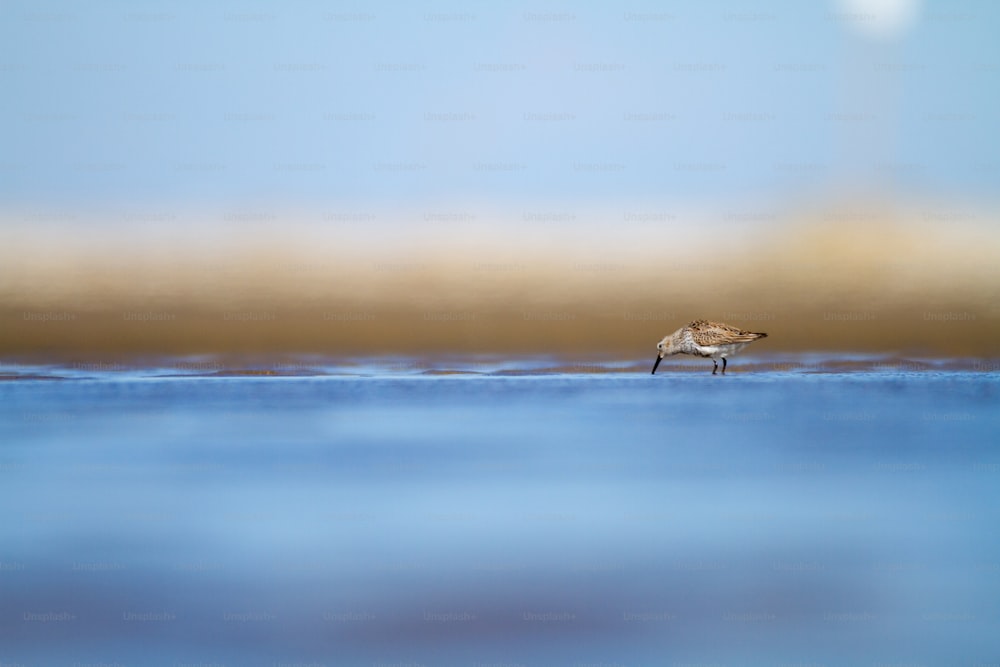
(709, 333)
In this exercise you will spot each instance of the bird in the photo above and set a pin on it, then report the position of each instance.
(706, 339)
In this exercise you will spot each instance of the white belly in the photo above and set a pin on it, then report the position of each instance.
(720, 351)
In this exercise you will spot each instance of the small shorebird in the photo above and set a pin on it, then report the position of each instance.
(706, 339)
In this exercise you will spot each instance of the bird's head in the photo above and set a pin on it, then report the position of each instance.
(664, 348)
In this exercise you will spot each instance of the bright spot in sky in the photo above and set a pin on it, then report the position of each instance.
(882, 19)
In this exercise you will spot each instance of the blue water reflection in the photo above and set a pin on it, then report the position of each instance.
(762, 518)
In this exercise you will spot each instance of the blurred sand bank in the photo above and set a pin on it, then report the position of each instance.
(813, 282)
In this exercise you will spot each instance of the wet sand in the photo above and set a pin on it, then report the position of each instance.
(490, 366)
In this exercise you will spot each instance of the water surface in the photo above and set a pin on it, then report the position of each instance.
(525, 512)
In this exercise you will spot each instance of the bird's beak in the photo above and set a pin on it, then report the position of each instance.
(658, 360)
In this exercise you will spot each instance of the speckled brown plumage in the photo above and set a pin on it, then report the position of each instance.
(702, 338)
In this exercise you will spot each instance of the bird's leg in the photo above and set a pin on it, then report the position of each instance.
(716, 367)
(723, 365)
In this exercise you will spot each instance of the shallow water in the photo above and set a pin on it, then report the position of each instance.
(799, 511)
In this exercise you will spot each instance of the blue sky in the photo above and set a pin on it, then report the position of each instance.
(396, 104)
